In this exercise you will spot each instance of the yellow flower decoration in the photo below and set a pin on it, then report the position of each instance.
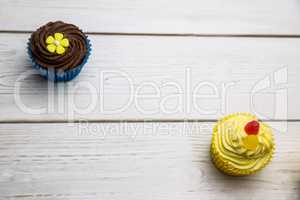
(57, 43)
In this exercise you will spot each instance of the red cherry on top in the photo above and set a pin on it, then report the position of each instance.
(252, 127)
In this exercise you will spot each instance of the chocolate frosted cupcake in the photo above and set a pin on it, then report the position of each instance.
(59, 50)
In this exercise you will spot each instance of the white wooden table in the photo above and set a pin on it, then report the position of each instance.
(136, 124)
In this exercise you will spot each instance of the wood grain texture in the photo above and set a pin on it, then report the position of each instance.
(134, 161)
(158, 16)
(156, 78)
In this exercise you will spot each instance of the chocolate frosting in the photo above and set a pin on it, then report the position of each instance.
(74, 54)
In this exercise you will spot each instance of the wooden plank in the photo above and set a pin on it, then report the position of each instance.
(159, 16)
(134, 161)
(157, 78)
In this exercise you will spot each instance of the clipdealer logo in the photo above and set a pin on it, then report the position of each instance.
(147, 98)
(190, 96)
(276, 85)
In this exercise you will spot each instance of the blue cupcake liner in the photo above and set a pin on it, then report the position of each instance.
(54, 75)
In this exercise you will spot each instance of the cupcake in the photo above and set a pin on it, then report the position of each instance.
(59, 50)
(241, 145)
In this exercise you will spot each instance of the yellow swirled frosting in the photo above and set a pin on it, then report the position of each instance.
(229, 151)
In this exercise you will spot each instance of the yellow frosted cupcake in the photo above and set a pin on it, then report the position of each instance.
(241, 145)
